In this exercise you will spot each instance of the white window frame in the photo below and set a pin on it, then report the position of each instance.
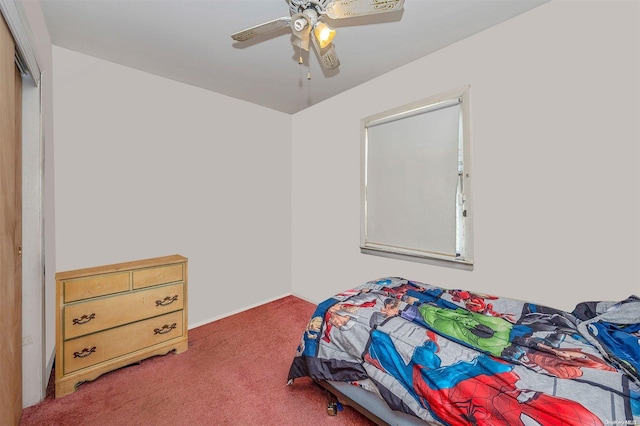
(459, 253)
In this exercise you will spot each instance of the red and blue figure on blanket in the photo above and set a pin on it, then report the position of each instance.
(480, 392)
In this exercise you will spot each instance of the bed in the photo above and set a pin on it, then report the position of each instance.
(405, 352)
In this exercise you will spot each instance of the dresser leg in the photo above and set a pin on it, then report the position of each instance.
(65, 388)
(181, 347)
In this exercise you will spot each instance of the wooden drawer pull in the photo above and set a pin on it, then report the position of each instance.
(83, 319)
(166, 301)
(84, 353)
(165, 329)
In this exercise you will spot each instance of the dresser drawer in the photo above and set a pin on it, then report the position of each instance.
(96, 285)
(159, 275)
(103, 346)
(95, 315)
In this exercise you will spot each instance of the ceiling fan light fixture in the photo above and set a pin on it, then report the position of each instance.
(324, 34)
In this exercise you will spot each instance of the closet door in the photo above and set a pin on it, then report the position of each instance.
(10, 232)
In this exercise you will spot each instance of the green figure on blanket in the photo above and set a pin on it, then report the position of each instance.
(514, 342)
(487, 333)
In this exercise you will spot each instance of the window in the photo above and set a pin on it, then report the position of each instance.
(415, 190)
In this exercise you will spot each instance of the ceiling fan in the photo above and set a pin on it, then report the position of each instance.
(306, 22)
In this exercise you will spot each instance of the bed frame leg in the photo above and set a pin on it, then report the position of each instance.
(332, 409)
(334, 405)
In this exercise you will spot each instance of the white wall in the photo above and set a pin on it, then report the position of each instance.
(149, 167)
(555, 148)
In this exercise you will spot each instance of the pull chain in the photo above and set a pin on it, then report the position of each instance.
(301, 62)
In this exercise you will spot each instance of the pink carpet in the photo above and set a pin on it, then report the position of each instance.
(234, 373)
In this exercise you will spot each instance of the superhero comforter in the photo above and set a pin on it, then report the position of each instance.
(457, 358)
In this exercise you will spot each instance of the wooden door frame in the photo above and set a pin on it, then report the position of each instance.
(34, 354)
(10, 230)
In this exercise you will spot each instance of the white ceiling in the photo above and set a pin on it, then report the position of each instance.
(189, 41)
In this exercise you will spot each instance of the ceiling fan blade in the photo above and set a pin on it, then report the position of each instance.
(339, 9)
(267, 27)
(302, 42)
(328, 57)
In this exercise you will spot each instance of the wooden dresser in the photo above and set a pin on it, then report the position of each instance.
(115, 315)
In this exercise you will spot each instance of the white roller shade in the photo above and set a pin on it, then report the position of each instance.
(413, 181)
